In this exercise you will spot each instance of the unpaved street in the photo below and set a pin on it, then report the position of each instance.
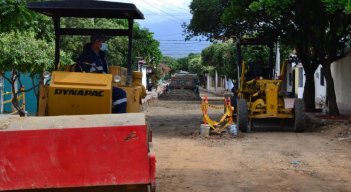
(259, 161)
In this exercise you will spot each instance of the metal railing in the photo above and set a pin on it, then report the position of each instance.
(20, 97)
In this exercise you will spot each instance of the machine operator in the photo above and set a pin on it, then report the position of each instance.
(93, 60)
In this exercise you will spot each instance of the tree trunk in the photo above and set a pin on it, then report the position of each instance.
(15, 92)
(331, 96)
(309, 92)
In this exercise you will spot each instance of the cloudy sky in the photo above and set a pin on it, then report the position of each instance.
(164, 18)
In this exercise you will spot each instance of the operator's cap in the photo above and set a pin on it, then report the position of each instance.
(99, 37)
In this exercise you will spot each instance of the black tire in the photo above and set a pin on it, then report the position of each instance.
(299, 112)
(242, 116)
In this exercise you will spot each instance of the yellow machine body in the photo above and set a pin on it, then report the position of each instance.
(272, 100)
(133, 99)
(135, 92)
(120, 71)
(73, 93)
(263, 99)
(76, 93)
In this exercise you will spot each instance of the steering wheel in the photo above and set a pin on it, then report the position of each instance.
(86, 64)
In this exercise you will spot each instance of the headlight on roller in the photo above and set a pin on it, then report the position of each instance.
(117, 79)
(46, 75)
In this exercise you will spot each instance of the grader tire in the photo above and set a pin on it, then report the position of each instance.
(242, 116)
(299, 110)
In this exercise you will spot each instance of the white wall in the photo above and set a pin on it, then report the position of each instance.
(211, 79)
(320, 88)
(229, 85)
(208, 83)
(341, 72)
(299, 78)
(143, 70)
(289, 76)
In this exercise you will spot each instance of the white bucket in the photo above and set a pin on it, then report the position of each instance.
(233, 130)
(205, 130)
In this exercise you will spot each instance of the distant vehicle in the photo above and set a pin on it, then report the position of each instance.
(185, 81)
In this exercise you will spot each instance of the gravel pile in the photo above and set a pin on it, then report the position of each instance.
(180, 95)
(345, 134)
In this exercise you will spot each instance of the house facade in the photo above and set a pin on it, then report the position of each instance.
(341, 72)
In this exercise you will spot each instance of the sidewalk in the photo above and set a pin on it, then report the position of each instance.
(150, 95)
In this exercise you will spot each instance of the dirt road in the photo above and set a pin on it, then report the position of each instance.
(259, 161)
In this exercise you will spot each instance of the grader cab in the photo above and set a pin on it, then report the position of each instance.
(77, 144)
(259, 94)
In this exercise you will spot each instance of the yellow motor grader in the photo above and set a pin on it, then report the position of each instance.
(76, 144)
(259, 96)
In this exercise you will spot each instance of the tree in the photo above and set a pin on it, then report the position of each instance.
(221, 57)
(15, 17)
(319, 30)
(195, 66)
(23, 53)
(171, 63)
(25, 41)
(206, 20)
(303, 25)
(144, 45)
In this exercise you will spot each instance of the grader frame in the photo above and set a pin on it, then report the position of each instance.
(260, 98)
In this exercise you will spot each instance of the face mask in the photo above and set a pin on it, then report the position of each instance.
(103, 47)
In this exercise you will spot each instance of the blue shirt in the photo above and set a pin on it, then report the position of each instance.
(91, 62)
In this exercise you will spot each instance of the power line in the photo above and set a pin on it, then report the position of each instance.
(177, 11)
(176, 41)
(171, 40)
(161, 11)
(179, 8)
(156, 13)
(167, 35)
(181, 50)
(173, 15)
(184, 42)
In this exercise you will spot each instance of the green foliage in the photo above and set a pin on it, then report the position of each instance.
(184, 63)
(144, 45)
(27, 42)
(318, 30)
(195, 66)
(21, 52)
(24, 53)
(170, 62)
(221, 57)
(15, 17)
(206, 19)
(333, 6)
